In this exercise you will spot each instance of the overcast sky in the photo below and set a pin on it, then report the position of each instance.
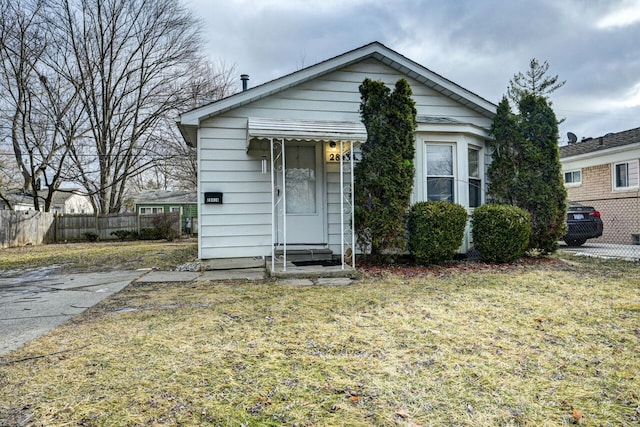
(479, 44)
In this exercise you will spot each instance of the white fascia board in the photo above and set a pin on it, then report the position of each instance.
(465, 128)
(603, 157)
(189, 133)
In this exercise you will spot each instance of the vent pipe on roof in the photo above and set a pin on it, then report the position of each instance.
(245, 80)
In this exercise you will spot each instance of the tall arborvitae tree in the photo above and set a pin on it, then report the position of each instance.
(534, 81)
(525, 169)
(502, 170)
(540, 188)
(384, 177)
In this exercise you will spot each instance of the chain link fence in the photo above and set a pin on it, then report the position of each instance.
(620, 229)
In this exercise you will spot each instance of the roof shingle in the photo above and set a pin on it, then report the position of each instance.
(605, 142)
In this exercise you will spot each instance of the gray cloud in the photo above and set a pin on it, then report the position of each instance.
(477, 44)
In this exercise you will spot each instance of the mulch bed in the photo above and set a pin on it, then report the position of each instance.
(406, 268)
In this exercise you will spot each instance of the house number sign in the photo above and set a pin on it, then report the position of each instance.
(332, 154)
(346, 157)
(212, 198)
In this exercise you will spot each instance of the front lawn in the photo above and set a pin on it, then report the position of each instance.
(541, 345)
(98, 256)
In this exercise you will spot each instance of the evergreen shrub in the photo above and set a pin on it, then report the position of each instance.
(436, 230)
(90, 236)
(501, 232)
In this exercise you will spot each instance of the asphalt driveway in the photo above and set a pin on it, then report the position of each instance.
(36, 302)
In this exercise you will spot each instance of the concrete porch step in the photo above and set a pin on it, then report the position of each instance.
(309, 271)
(306, 254)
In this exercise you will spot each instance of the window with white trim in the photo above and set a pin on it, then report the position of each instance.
(475, 180)
(150, 210)
(573, 177)
(440, 171)
(625, 175)
(177, 209)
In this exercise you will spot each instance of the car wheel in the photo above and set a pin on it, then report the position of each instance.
(575, 242)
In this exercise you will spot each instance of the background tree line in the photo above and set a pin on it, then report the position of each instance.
(88, 93)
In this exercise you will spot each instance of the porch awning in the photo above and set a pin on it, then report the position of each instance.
(305, 130)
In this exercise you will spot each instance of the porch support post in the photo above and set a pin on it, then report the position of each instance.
(342, 203)
(284, 207)
(353, 206)
(273, 209)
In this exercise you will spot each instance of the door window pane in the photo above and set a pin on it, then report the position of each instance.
(300, 177)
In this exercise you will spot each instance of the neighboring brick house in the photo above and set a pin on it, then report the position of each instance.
(604, 173)
(161, 201)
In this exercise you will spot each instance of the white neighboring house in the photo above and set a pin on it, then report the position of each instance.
(271, 179)
(66, 202)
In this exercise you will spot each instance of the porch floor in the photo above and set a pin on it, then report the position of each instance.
(309, 271)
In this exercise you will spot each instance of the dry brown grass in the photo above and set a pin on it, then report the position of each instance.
(537, 346)
(99, 256)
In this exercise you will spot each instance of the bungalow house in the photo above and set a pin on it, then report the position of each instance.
(161, 201)
(275, 162)
(603, 172)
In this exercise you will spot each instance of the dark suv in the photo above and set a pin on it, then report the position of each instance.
(583, 222)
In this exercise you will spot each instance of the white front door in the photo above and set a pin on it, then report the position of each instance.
(304, 195)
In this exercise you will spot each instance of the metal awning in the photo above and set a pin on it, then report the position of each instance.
(305, 130)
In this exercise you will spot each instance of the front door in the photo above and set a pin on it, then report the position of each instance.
(304, 196)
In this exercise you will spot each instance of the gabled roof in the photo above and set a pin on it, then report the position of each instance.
(606, 142)
(189, 121)
(164, 197)
(59, 197)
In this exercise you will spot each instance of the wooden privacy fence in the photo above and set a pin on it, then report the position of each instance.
(25, 228)
(34, 228)
(75, 227)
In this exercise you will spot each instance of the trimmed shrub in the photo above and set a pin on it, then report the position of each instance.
(501, 232)
(436, 230)
(166, 226)
(90, 236)
(149, 233)
(123, 235)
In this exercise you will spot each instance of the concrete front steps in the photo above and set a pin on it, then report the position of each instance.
(308, 263)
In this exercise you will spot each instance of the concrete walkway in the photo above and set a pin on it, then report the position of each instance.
(213, 275)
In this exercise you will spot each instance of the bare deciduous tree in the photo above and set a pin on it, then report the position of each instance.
(35, 105)
(90, 89)
(127, 58)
